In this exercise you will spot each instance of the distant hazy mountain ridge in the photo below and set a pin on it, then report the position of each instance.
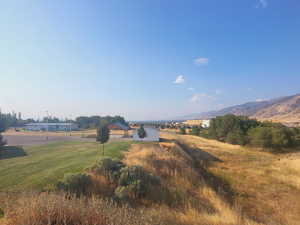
(284, 109)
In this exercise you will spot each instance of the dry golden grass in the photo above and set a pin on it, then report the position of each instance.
(196, 202)
(59, 209)
(266, 186)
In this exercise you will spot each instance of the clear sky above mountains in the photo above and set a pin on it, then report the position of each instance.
(145, 59)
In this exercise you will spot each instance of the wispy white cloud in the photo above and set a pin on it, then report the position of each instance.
(201, 61)
(260, 100)
(218, 92)
(200, 96)
(179, 79)
(191, 89)
(262, 4)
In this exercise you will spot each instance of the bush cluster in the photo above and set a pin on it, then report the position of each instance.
(242, 131)
(108, 168)
(182, 130)
(195, 130)
(272, 137)
(77, 184)
(130, 181)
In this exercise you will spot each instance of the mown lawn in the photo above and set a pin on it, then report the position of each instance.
(39, 167)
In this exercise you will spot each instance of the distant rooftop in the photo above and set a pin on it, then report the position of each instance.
(48, 124)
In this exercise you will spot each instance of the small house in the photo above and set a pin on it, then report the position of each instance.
(51, 126)
(152, 134)
(119, 126)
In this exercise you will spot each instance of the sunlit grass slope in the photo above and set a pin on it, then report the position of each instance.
(37, 167)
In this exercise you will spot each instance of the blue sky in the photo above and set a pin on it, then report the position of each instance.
(145, 59)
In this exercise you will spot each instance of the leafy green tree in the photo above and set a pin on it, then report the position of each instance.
(85, 122)
(182, 130)
(195, 131)
(141, 132)
(283, 137)
(102, 135)
(236, 138)
(230, 127)
(261, 137)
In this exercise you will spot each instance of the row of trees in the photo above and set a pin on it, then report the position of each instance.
(85, 122)
(244, 131)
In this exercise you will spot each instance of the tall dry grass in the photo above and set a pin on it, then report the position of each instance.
(196, 202)
(266, 186)
(60, 209)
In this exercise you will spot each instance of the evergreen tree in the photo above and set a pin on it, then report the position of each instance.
(141, 132)
(102, 135)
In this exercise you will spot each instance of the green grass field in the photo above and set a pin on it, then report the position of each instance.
(39, 167)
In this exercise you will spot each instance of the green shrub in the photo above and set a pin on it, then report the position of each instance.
(1, 213)
(75, 183)
(135, 182)
(109, 168)
(195, 131)
(131, 182)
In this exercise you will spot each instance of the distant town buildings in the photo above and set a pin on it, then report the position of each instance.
(202, 123)
(51, 126)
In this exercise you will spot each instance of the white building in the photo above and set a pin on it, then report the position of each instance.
(205, 123)
(51, 126)
(152, 134)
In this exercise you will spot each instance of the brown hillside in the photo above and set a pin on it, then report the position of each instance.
(286, 110)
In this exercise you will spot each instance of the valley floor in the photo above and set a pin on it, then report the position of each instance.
(203, 182)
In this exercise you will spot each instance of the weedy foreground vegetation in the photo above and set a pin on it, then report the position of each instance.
(184, 180)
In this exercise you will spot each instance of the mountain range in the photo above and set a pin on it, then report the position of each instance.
(284, 109)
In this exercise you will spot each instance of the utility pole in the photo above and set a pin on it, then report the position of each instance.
(70, 121)
(47, 125)
(66, 126)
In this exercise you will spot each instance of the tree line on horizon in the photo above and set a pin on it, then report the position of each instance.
(242, 130)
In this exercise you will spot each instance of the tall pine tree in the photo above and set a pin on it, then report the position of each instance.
(102, 135)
